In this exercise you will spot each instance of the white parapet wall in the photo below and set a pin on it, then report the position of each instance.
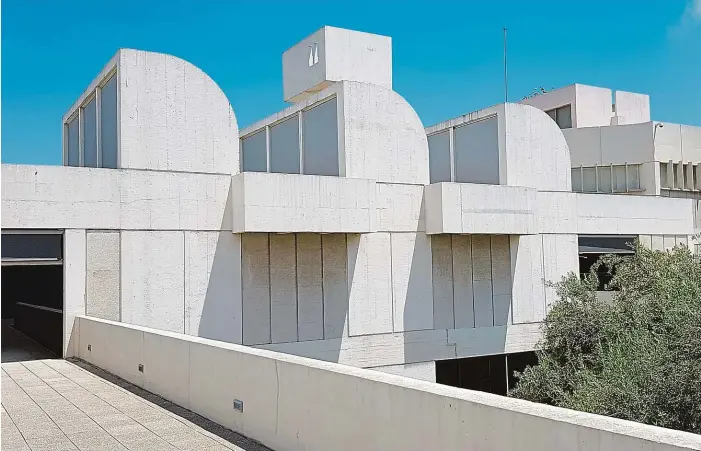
(292, 403)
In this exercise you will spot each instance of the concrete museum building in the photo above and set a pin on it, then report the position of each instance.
(340, 228)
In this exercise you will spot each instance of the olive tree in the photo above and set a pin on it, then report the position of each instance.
(637, 356)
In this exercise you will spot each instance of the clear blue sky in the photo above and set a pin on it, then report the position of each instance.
(447, 55)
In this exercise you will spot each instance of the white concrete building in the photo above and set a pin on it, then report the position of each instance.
(339, 228)
(616, 148)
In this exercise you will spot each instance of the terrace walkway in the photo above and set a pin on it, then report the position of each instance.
(54, 404)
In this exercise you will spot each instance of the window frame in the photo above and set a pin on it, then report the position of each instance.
(96, 95)
(554, 114)
(299, 114)
(82, 108)
(451, 143)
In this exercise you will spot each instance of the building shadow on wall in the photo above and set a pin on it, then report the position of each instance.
(221, 314)
(422, 343)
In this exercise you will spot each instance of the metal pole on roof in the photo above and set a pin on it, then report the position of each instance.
(506, 79)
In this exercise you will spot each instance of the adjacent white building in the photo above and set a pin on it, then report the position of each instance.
(339, 228)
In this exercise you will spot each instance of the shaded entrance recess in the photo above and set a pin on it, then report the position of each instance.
(491, 373)
(32, 286)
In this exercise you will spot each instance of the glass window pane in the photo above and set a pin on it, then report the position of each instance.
(696, 177)
(577, 180)
(634, 176)
(73, 142)
(284, 146)
(564, 116)
(108, 124)
(253, 153)
(604, 179)
(320, 136)
(26, 246)
(439, 157)
(552, 114)
(476, 152)
(90, 134)
(619, 178)
(589, 180)
(664, 183)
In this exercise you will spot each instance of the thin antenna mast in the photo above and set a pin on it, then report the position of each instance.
(506, 79)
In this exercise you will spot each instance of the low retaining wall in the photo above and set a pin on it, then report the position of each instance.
(293, 403)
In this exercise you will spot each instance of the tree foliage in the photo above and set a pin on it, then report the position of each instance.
(637, 356)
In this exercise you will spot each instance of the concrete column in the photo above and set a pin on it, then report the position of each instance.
(74, 257)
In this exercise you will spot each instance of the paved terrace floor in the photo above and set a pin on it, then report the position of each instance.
(54, 404)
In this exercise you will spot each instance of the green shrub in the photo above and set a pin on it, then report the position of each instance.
(637, 357)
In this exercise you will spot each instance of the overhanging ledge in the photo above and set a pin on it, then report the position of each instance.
(480, 209)
(294, 203)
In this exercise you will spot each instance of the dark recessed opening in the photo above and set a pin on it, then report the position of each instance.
(491, 374)
(32, 303)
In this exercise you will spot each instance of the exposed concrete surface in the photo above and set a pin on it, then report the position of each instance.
(293, 403)
(60, 405)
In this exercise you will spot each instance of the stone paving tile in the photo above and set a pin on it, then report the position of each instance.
(63, 405)
(60, 443)
(96, 441)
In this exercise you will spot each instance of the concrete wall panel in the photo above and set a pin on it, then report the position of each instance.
(310, 296)
(546, 164)
(103, 279)
(412, 288)
(494, 340)
(105, 199)
(370, 287)
(631, 107)
(646, 240)
(367, 351)
(482, 280)
(153, 279)
(501, 279)
(174, 116)
(528, 291)
(384, 138)
(213, 285)
(669, 242)
(255, 269)
(442, 256)
(285, 203)
(560, 256)
(74, 276)
(283, 288)
(614, 215)
(399, 207)
(60, 197)
(463, 287)
(335, 285)
(425, 371)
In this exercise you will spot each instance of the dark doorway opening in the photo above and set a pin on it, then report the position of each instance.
(491, 374)
(32, 289)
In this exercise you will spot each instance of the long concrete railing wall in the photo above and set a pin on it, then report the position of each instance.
(292, 403)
